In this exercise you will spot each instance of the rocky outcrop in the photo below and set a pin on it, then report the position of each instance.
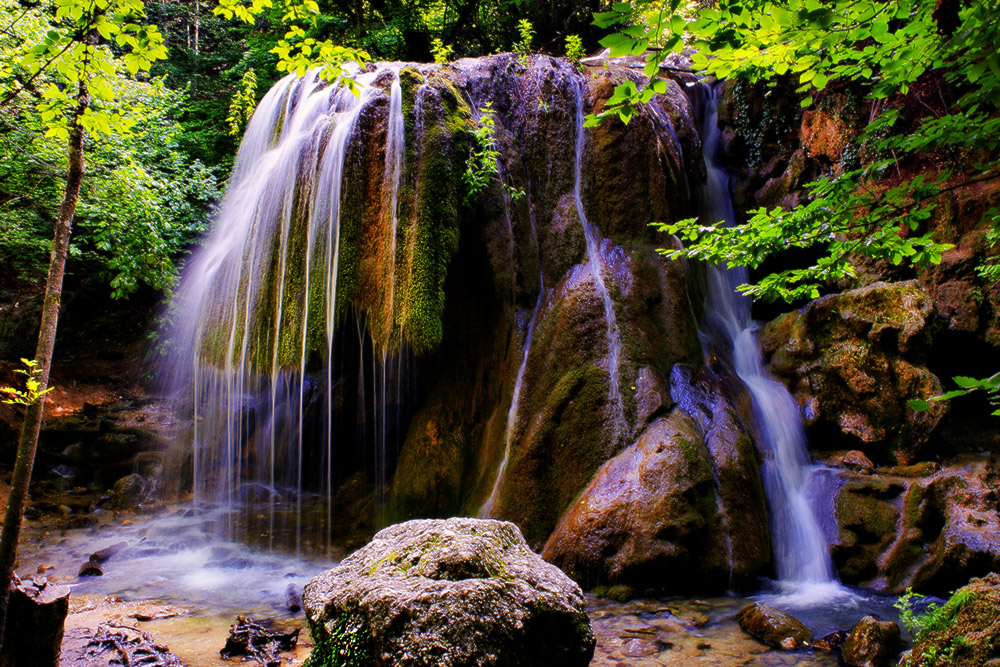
(914, 527)
(871, 643)
(452, 593)
(949, 531)
(568, 421)
(853, 360)
(963, 631)
(773, 627)
(681, 509)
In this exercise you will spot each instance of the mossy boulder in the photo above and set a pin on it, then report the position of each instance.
(773, 627)
(964, 631)
(650, 518)
(871, 643)
(452, 593)
(853, 360)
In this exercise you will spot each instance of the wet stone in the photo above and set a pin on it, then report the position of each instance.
(773, 627)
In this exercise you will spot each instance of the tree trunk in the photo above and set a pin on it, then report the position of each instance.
(32, 424)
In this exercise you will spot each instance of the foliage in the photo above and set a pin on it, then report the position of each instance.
(523, 46)
(574, 50)
(142, 201)
(32, 386)
(934, 619)
(967, 385)
(243, 104)
(483, 162)
(883, 48)
(442, 52)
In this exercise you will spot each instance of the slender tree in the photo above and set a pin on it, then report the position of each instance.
(71, 72)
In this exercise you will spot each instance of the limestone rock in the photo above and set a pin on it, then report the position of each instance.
(773, 627)
(448, 593)
(871, 643)
(854, 359)
(647, 516)
(930, 531)
(950, 531)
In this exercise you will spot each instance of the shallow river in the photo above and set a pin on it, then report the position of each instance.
(175, 565)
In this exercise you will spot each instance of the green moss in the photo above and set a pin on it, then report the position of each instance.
(346, 642)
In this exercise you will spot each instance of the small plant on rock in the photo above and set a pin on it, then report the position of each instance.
(483, 163)
(574, 50)
(523, 47)
(442, 52)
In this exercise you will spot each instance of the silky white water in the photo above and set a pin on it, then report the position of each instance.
(805, 571)
(596, 265)
(244, 363)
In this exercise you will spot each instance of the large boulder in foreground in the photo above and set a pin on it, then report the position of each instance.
(963, 631)
(871, 643)
(447, 593)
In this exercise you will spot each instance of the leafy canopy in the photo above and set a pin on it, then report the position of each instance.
(142, 200)
(883, 48)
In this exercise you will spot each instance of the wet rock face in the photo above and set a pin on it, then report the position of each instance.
(680, 509)
(773, 627)
(854, 359)
(931, 531)
(871, 643)
(964, 631)
(568, 422)
(133, 492)
(459, 592)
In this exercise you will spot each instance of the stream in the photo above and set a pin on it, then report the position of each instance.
(174, 563)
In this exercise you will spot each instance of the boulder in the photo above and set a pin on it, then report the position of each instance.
(681, 509)
(447, 593)
(773, 627)
(871, 643)
(963, 631)
(853, 360)
(132, 492)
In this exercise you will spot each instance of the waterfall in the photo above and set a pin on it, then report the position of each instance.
(805, 570)
(253, 324)
(489, 506)
(595, 262)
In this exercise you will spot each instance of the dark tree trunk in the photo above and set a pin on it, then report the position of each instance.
(43, 355)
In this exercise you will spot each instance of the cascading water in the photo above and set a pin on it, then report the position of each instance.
(596, 265)
(805, 571)
(254, 323)
(488, 507)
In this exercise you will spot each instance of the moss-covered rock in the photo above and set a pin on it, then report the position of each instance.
(866, 513)
(871, 643)
(773, 626)
(949, 531)
(964, 631)
(437, 593)
(853, 360)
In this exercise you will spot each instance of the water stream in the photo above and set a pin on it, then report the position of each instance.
(596, 265)
(258, 303)
(805, 570)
